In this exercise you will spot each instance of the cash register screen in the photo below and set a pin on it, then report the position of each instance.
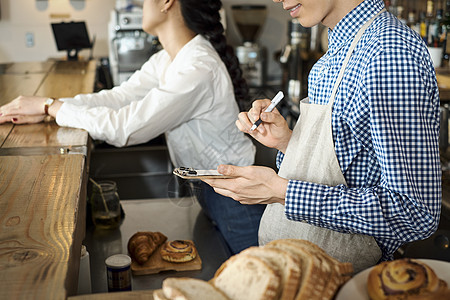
(71, 37)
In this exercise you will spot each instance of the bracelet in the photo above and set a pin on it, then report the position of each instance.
(47, 103)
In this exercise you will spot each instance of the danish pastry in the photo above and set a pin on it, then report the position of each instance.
(403, 279)
(178, 251)
(142, 245)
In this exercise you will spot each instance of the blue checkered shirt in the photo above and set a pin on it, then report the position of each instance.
(386, 133)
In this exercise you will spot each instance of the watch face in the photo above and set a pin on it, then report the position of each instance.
(49, 101)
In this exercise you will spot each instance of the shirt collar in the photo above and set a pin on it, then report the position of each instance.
(348, 26)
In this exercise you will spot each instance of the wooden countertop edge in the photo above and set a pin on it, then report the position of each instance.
(135, 295)
(77, 235)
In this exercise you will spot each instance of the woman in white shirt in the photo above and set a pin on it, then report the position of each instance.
(187, 91)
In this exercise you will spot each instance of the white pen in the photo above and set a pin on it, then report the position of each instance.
(272, 105)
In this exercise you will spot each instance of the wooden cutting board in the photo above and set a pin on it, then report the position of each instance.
(156, 264)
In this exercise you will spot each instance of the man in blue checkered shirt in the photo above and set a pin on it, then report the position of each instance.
(385, 129)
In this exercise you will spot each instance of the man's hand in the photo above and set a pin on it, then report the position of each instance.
(273, 132)
(251, 185)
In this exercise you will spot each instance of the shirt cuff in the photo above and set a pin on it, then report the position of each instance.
(279, 159)
(302, 202)
(67, 114)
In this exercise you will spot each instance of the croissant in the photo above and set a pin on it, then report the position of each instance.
(178, 251)
(142, 245)
(403, 279)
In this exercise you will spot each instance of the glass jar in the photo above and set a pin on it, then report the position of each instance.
(105, 204)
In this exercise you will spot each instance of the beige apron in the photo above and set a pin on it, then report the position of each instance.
(310, 156)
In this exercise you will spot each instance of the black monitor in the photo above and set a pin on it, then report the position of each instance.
(71, 37)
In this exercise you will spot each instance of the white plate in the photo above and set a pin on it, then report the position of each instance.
(356, 288)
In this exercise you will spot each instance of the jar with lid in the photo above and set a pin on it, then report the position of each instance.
(118, 273)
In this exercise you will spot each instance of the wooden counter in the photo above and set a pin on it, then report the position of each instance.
(43, 179)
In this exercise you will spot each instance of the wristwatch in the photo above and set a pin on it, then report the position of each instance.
(47, 103)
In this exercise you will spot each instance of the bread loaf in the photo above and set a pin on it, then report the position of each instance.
(246, 277)
(178, 251)
(342, 268)
(283, 269)
(190, 289)
(336, 273)
(404, 279)
(321, 274)
(312, 281)
(287, 265)
(142, 245)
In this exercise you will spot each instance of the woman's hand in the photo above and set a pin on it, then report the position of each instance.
(22, 119)
(252, 185)
(27, 110)
(273, 132)
(24, 105)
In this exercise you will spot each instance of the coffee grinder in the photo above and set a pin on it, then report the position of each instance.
(252, 57)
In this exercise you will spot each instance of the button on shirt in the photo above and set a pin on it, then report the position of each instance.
(190, 99)
(385, 127)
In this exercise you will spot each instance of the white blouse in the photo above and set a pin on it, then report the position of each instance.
(190, 99)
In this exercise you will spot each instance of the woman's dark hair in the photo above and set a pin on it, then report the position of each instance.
(203, 18)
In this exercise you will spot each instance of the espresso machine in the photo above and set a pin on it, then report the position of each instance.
(129, 46)
(252, 57)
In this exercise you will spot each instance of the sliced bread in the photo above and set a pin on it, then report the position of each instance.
(339, 272)
(342, 268)
(246, 277)
(287, 265)
(313, 277)
(184, 288)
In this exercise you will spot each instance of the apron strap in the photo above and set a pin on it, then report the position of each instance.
(349, 54)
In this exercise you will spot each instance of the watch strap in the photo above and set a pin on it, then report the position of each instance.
(47, 103)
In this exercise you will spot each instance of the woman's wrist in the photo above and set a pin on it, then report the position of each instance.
(54, 108)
